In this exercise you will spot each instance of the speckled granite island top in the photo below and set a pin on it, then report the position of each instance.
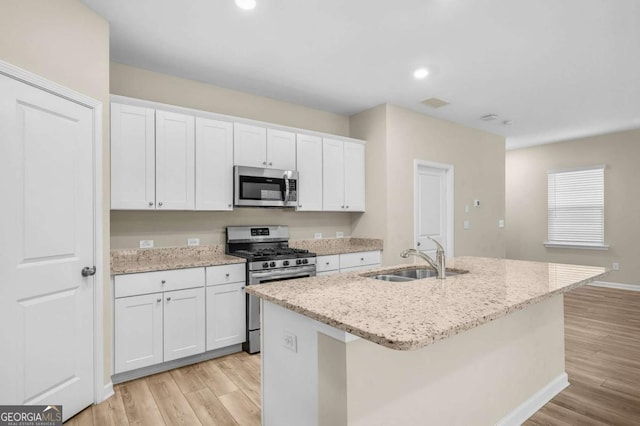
(130, 261)
(413, 314)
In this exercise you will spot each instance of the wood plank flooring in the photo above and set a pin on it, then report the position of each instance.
(602, 328)
(602, 344)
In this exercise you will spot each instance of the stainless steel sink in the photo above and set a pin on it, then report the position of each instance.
(409, 274)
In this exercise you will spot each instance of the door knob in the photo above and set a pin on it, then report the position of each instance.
(88, 271)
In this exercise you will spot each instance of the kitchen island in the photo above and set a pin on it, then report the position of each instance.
(482, 347)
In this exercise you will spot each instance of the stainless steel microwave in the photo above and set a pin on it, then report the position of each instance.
(258, 187)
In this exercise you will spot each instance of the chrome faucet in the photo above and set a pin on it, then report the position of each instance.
(438, 264)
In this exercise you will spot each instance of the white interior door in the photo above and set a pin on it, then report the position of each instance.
(46, 238)
(433, 207)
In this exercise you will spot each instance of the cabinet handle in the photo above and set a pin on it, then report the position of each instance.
(342, 207)
(168, 299)
(163, 282)
(299, 206)
(264, 163)
(347, 207)
(160, 204)
(362, 259)
(226, 275)
(229, 205)
(150, 203)
(242, 288)
(270, 163)
(159, 299)
(327, 263)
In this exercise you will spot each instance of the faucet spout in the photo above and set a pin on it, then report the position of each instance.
(438, 264)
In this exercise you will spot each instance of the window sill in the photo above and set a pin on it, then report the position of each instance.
(584, 246)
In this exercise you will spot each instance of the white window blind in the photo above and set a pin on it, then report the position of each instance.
(576, 207)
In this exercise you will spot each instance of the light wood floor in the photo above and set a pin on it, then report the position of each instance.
(602, 359)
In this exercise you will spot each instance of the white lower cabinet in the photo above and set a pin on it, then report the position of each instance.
(138, 331)
(226, 301)
(158, 317)
(347, 262)
(184, 313)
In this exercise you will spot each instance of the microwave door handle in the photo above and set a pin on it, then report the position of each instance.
(286, 189)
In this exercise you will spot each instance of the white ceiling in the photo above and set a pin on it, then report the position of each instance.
(557, 69)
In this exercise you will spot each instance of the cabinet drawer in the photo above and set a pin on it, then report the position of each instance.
(351, 260)
(225, 274)
(152, 282)
(328, 263)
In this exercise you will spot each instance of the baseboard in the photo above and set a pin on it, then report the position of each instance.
(618, 286)
(535, 402)
(107, 392)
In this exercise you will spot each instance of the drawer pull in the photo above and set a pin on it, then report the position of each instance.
(168, 299)
(159, 300)
(226, 275)
(327, 263)
(163, 282)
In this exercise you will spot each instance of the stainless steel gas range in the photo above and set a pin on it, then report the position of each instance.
(269, 258)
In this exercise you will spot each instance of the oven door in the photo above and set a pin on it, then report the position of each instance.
(256, 187)
(263, 277)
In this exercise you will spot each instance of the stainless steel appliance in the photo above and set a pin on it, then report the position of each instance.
(257, 187)
(269, 258)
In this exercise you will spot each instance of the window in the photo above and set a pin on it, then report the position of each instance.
(576, 208)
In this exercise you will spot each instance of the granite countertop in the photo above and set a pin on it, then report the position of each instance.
(130, 261)
(329, 246)
(413, 314)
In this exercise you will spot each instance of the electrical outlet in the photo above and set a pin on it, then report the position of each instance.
(616, 266)
(317, 235)
(501, 223)
(146, 243)
(466, 224)
(192, 242)
(290, 341)
(339, 234)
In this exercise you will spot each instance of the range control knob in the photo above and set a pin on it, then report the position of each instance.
(285, 263)
(272, 264)
(265, 265)
(305, 261)
(298, 261)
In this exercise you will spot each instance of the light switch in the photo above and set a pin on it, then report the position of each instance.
(466, 208)
(467, 224)
(501, 223)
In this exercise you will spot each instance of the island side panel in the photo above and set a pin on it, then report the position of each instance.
(477, 377)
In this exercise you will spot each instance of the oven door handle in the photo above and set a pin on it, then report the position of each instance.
(300, 272)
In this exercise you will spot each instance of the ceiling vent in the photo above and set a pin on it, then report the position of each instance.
(435, 102)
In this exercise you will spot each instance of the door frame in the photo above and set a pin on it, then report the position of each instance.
(448, 169)
(101, 390)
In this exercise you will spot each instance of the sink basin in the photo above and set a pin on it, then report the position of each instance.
(410, 274)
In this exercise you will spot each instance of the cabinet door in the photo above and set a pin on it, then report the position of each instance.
(138, 331)
(281, 150)
(249, 145)
(226, 324)
(309, 163)
(354, 176)
(214, 164)
(184, 326)
(175, 161)
(133, 173)
(332, 175)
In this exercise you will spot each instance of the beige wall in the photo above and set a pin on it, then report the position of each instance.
(173, 228)
(478, 160)
(526, 201)
(64, 41)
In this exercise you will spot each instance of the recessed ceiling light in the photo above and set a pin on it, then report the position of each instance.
(246, 4)
(421, 73)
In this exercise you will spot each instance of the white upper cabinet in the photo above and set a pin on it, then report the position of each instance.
(175, 161)
(354, 175)
(309, 164)
(214, 164)
(281, 150)
(249, 145)
(343, 175)
(256, 146)
(133, 175)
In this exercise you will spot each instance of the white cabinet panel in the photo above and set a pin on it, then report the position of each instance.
(354, 175)
(214, 165)
(328, 263)
(249, 145)
(226, 324)
(175, 161)
(133, 174)
(360, 259)
(184, 323)
(281, 150)
(226, 274)
(138, 332)
(309, 164)
(152, 282)
(332, 175)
